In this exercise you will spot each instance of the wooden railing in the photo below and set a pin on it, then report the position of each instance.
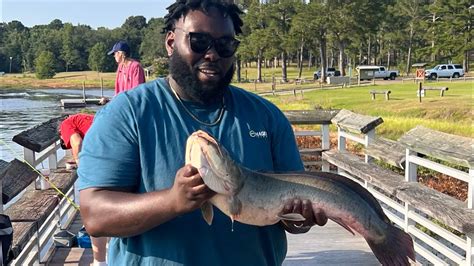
(37, 211)
(442, 226)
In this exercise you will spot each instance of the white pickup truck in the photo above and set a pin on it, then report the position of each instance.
(385, 74)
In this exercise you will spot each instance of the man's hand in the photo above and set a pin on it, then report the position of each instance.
(189, 191)
(305, 208)
(103, 101)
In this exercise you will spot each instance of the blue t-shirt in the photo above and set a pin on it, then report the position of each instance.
(138, 140)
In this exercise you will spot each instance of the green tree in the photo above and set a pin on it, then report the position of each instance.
(258, 38)
(56, 24)
(411, 12)
(153, 44)
(132, 31)
(98, 57)
(14, 44)
(314, 20)
(281, 13)
(44, 65)
(451, 31)
(69, 53)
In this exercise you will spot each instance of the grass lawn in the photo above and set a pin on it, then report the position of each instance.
(451, 113)
(92, 79)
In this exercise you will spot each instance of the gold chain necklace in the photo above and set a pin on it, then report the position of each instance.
(218, 120)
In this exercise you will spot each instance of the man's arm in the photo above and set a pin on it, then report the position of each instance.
(287, 158)
(110, 212)
(76, 143)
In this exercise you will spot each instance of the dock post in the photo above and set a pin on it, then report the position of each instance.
(101, 87)
(84, 91)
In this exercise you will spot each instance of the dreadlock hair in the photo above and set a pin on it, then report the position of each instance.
(182, 7)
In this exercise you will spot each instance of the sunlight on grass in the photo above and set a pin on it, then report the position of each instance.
(451, 113)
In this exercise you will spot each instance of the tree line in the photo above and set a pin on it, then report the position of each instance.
(337, 33)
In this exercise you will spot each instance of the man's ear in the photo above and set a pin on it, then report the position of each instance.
(169, 41)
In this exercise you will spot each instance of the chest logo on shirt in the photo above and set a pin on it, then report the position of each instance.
(257, 134)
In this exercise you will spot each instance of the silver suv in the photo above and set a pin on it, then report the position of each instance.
(445, 71)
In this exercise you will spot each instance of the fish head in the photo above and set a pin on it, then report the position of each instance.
(219, 172)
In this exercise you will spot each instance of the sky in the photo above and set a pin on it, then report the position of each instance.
(100, 13)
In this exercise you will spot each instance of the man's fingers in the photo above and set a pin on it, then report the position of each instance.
(188, 171)
(297, 206)
(200, 192)
(307, 212)
(320, 217)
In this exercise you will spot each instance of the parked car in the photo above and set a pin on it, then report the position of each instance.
(445, 71)
(385, 74)
(330, 71)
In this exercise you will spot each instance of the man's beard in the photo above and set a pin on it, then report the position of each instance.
(187, 78)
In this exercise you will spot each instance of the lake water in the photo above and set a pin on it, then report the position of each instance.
(21, 109)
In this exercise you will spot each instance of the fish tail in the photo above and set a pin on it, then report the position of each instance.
(396, 249)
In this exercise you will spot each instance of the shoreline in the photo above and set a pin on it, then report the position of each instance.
(63, 80)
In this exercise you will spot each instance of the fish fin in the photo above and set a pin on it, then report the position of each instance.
(341, 223)
(207, 212)
(235, 206)
(293, 217)
(403, 254)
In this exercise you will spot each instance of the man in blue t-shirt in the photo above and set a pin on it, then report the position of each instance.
(134, 183)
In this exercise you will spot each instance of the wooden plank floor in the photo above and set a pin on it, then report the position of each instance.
(72, 256)
(328, 245)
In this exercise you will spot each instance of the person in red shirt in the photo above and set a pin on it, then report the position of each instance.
(72, 131)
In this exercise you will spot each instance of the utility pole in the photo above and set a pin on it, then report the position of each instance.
(11, 64)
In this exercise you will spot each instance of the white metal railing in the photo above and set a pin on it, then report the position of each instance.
(323, 132)
(364, 139)
(412, 162)
(40, 247)
(442, 246)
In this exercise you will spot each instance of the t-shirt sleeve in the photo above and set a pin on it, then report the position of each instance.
(110, 154)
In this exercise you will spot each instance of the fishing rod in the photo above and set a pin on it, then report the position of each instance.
(58, 191)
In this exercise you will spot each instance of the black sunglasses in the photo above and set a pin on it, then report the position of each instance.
(201, 42)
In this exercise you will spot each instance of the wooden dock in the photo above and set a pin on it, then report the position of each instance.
(72, 256)
(327, 245)
(78, 103)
